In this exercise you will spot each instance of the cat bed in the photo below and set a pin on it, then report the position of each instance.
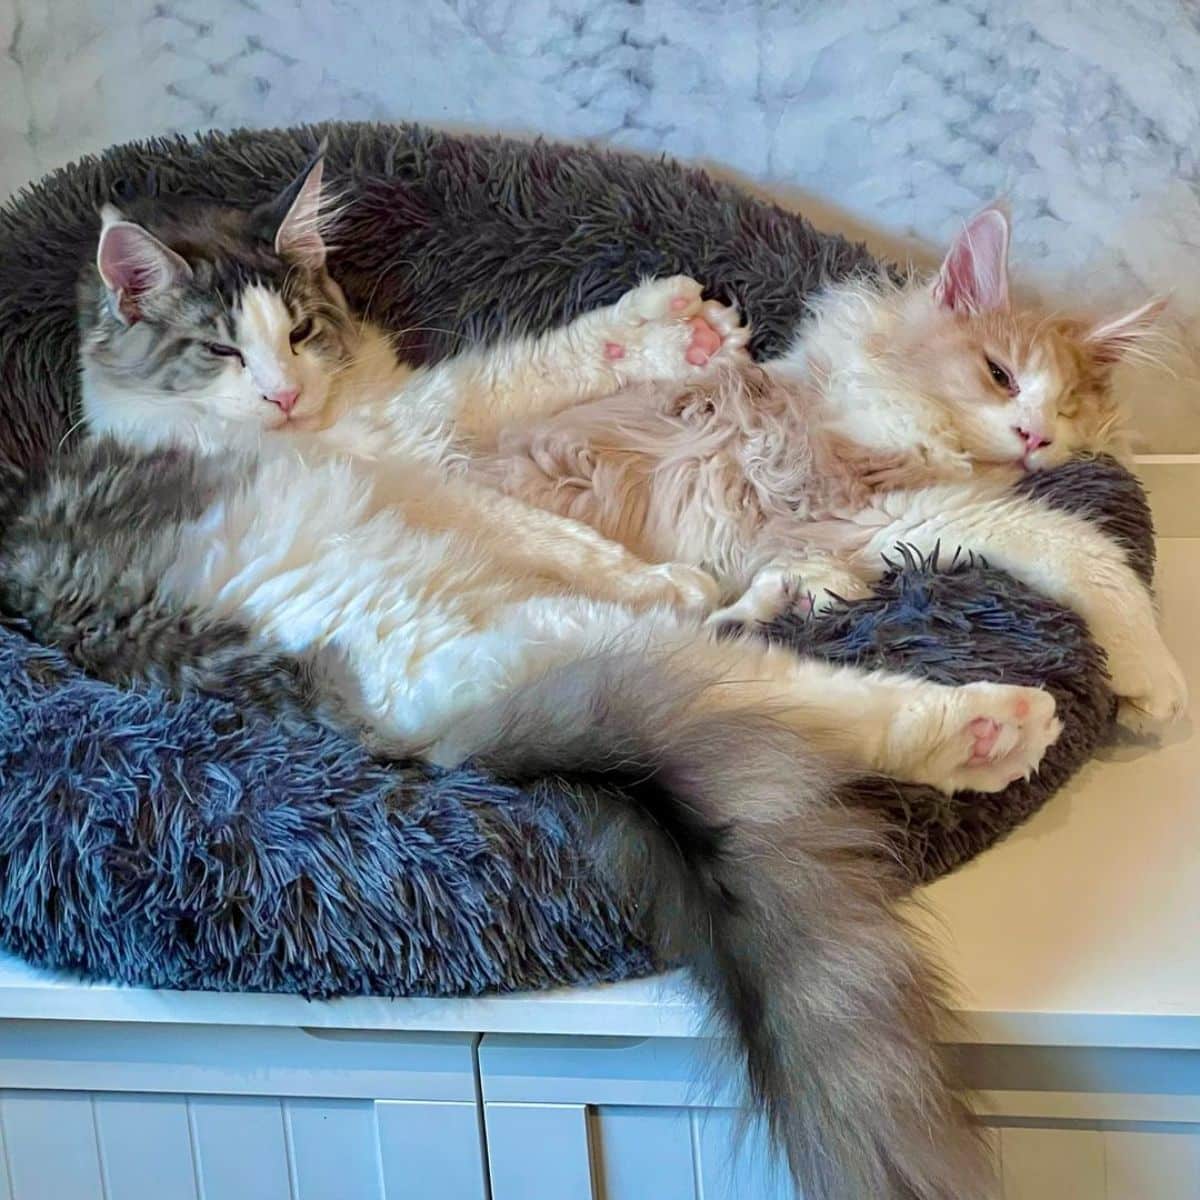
(200, 843)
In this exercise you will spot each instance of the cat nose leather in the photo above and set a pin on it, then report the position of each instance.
(1033, 441)
(285, 400)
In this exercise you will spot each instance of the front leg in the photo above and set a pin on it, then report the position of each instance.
(661, 330)
(808, 583)
(1063, 556)
(540, 545)
(906, 468)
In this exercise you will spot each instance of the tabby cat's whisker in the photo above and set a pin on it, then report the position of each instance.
(63, 440)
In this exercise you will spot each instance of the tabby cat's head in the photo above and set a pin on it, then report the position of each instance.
(197, 315)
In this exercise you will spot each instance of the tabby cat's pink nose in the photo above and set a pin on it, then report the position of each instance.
(1033, 441)
(285, 400)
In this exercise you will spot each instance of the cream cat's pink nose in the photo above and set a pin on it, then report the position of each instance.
(285, 400)
(1033, 441)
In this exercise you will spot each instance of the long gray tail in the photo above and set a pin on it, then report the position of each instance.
(776, 897)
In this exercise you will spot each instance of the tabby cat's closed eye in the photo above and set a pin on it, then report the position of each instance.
(301, 332)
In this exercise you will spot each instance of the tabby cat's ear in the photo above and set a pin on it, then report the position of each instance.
(135, 265)
(974, 276)
(294, 217)
(1112, 340)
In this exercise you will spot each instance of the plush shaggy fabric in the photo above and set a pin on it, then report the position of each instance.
(194, 844)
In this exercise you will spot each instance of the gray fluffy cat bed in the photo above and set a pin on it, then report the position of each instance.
(200, 841)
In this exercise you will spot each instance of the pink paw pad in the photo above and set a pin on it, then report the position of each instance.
(613, 351)
(706, 341)
(985, 731)
(679, 303)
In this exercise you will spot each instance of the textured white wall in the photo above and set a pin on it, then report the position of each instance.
(898, 116)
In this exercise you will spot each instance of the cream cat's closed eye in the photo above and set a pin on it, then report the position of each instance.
(1002, 376)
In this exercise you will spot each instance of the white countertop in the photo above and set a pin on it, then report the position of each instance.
(1080, 929)
(1084, 923)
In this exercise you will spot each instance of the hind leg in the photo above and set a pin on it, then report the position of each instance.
(1062, 555)
(979, 737)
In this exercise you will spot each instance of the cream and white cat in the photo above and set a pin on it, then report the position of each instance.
(901, 415)
(322, 504)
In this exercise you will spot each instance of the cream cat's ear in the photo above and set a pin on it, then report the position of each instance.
(134, 264)
(296, 217)
(1112, 340)
(974, 275)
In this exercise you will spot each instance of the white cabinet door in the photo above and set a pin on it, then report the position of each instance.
(624, 1119)
(539, 1152)
(1099, 1164)
(617, 1119)
(625, 1152)
(214, 1113)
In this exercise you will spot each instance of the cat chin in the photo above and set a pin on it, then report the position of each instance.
(310, 423)
(293, 422)
(1032, 464)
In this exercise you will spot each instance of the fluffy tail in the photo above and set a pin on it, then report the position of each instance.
(776, 897)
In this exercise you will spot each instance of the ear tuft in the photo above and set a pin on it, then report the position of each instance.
(1112, 340)
(974, 275)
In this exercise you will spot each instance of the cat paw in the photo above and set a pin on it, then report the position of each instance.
(984, 736)
(805, 589)
(822, 588)
(1153, 693)
(663, 330)
(688, 590)
(747, 609)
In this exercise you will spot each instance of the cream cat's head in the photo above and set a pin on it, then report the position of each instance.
(954, 362)
(205, 322)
